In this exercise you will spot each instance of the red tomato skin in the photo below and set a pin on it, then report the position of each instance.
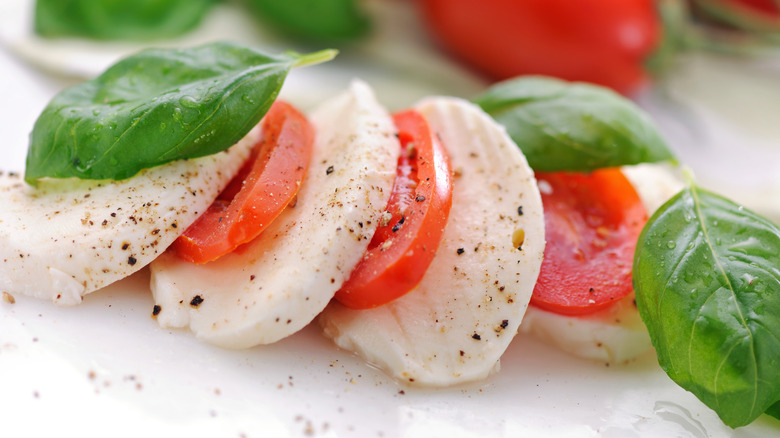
(262, 189)
(592, 223)
(402, 249)
(766, 7)
(598, 41)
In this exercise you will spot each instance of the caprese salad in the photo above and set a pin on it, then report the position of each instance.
(416, 239)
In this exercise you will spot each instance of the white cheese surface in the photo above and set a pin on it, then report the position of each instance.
(69, 237)
(457, 323)
(276, 284)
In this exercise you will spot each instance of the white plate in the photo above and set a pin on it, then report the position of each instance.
(106, 369)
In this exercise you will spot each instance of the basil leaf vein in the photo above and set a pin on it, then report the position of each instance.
(708, 288)
(155, 107)
(562, 126)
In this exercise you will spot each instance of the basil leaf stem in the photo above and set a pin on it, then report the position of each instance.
(155, 107)
(707, 280)
(563, 126)
(119, 20)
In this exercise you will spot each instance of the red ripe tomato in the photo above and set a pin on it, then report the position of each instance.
(403, 246)
(264, 187)
(768, 8)
(592, 224)
(599, 41)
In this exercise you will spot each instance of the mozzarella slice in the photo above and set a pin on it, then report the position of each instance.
(655, 183)
(69, 237)
(456, 324)
(615, 334)
(276, 284)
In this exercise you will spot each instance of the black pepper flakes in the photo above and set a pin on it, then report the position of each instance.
(156, 310)
(329, 170)
(131, 260)
(476, 337)
(420, 198)
(460, 251)
(504, 323)
(397, 226)
(519, 210)
(197, 300)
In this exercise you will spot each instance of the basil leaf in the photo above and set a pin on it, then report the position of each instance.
(157, 106)
(314, 19)
(573, 126)
(774, 410)
(124, 19)
(707, 280)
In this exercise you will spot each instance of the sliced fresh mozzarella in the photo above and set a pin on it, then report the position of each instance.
(615, 334)
(654, 183)
(69, 237)
(456, 324)
(279, 282)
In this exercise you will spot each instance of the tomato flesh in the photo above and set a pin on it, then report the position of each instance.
(592, 225)
(266, 184)
(407, 238)
(600, 41)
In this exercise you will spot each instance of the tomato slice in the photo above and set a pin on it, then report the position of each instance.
(592, 225)
(406, 240)
(263, 188)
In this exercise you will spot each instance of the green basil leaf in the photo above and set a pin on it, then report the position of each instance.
(707, 280)
(157, 106)
(119, 20)
(573, 126)
(314, 19)
(774, 410)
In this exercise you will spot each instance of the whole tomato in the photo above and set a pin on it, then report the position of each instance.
(598, 41)
(745, 15)
(768, 8)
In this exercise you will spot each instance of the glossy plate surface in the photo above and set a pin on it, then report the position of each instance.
(105, 368)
